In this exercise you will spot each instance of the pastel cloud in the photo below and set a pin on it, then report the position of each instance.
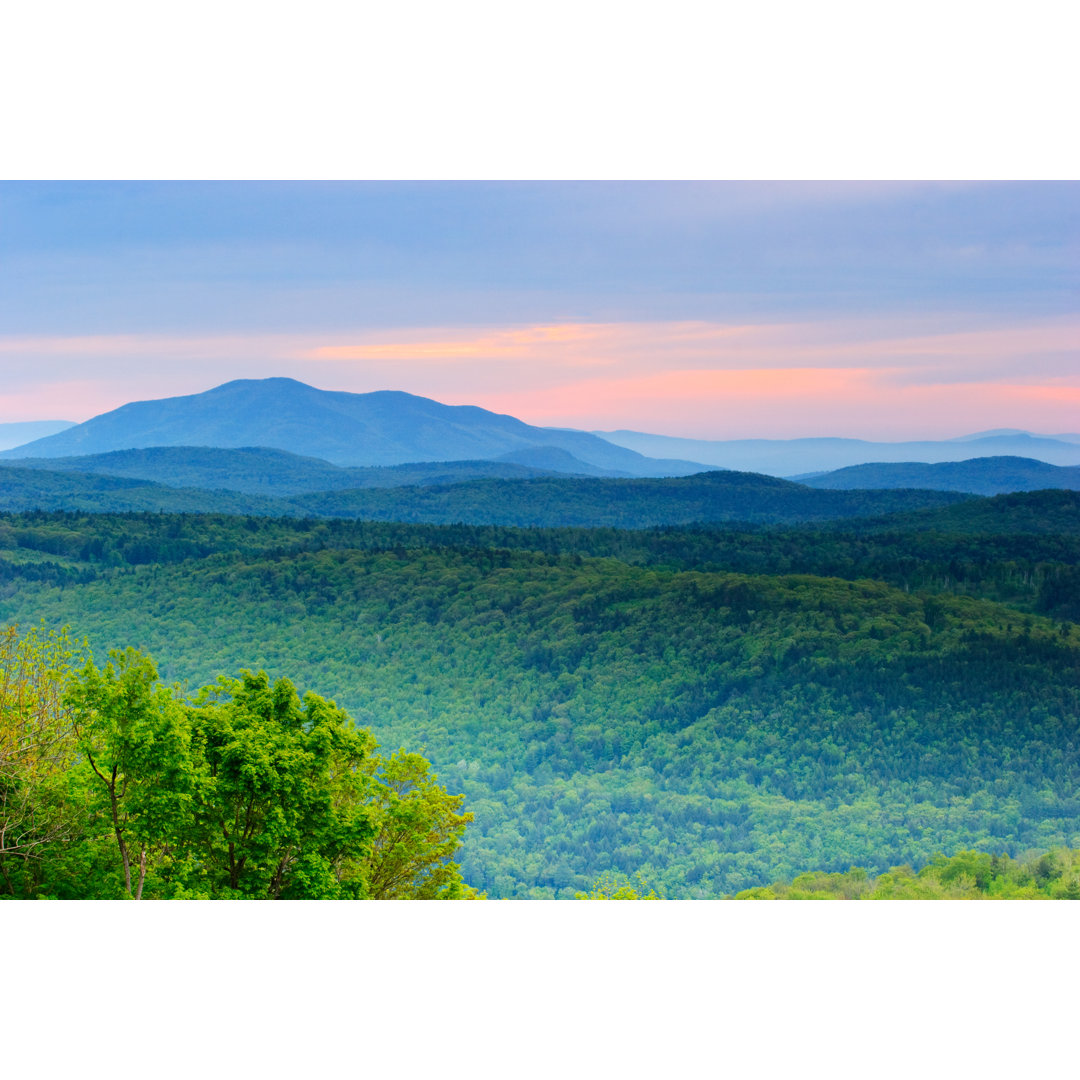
(779, 402)
(705, 345)
(862, 377)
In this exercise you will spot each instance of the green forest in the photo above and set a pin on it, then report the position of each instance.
(714, 707)
(449, 493)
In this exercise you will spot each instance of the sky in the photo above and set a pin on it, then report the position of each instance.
(705, 309)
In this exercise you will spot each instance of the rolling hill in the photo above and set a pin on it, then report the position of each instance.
(539, 501)
(48, 489)
(977, 476)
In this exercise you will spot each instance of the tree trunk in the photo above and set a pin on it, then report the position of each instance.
(142, 872)
(120, 833)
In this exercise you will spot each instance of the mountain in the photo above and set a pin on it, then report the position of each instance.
(553, 459)
(262, 471)
(1065, 437)
(386, 427)
(977, 476)
(794, 457)
(21, 431)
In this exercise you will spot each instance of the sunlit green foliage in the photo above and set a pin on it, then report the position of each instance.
(969, 875)
(614, 886)
(242, 790)
(37, 747)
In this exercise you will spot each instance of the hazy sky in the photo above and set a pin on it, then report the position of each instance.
(715, 310)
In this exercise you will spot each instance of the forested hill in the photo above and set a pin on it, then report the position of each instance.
(1008, 552)
(540, 501)
(48, 489)
(977, 476)
(717, 729)
(627, 504)
(1045, 513)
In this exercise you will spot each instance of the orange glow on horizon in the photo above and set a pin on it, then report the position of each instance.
(871, 377)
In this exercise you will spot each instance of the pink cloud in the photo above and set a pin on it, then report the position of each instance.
(795, 402)
(869, 377)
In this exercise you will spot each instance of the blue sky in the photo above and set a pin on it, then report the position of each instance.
(709, 309)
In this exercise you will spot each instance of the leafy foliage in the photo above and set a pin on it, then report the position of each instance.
(613, 886)
(36, 745)
(968, 875)
(242, 790)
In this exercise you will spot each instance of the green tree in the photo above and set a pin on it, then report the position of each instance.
(282, 807)
(135, 741)
(36, 747)
(418, 831)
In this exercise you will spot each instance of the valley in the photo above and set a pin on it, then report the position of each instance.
(717, 709)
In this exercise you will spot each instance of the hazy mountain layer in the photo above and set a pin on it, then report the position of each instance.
(263, 471)
(797, 457)
(978, 476)
(382, 428)
(15, 434)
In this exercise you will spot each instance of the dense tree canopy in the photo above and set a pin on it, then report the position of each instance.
(116, 785)
(718, 707)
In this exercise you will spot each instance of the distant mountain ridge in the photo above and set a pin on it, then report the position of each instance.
(799, 457)
(385, 427)
(976, 476)
(264, 471)
(1067, 437)
(22, 431)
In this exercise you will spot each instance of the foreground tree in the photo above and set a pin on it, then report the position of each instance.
(418, 829)
(133, 735)
(282, 807)
(37, 748)
(248, 791)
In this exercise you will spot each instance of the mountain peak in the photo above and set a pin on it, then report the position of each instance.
(383, 427)
(271, 381)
